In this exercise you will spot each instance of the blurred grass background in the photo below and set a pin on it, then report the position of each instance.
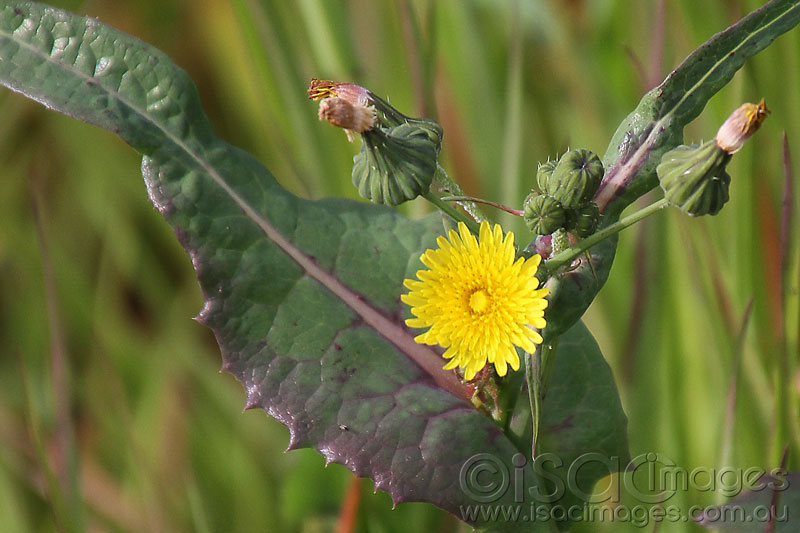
(113, 416)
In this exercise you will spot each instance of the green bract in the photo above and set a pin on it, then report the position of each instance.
(397, 164)
(543, 174)
(543, 214)
(575, 178)
(694, 178)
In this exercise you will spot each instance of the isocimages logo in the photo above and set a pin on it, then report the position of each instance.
(649, 478)
(639, 515)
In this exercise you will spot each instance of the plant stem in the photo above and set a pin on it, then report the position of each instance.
(441, 181)
(452, 212)
(548, 356)
(532, 366)
(566, 256)
(538, 367)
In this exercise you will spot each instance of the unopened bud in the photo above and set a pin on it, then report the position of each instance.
(575, 178)
(742, 123)
(543, 214)
(543, 174)
(586, 219)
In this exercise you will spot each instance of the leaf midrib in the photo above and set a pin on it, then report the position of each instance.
(397, 335)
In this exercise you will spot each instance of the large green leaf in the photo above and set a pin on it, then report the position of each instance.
(303, 296)
(652, 129)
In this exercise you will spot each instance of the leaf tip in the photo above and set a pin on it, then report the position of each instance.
(253, 396)
(295, 443)
(250, 405)
(202, 316)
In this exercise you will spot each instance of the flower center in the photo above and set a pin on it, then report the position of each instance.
(479, 301)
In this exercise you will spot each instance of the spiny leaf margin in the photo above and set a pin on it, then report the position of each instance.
(397, 425)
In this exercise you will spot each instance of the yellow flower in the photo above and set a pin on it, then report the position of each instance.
(478, 301)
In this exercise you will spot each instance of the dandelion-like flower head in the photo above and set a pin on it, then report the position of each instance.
(478, 300)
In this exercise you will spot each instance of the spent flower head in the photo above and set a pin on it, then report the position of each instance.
(694, 178)
(353, 118)
(355, 94)
(478, 300)
(399, 155)
(742, 123)
(344, 105)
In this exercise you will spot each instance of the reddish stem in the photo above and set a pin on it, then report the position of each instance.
(517, 212)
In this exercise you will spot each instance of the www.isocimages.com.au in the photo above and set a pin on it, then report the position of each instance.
(637, 515)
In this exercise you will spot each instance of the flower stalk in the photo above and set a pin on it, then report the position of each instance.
(452, 212)
(567, 255)
(507, 209)
(538, 367)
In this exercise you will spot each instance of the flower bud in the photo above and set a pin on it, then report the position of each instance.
(694, 178)
(397, 164)
(742, 123)
(586, 218)
(543, 174)
(543, 214)
(575, 178)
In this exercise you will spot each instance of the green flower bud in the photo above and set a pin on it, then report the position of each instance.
(575, 178)
(543, 174)
(560, 241)
(431, 128)
(586, 218)
(694, 178)
(397, 164)
(543, 214)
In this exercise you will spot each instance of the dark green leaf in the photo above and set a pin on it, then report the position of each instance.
(582, 419)
(303, 296)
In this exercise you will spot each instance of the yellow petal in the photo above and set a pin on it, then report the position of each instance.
(442, 298)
